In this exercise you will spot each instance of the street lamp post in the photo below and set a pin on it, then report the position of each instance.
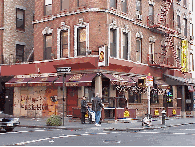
(63, 71)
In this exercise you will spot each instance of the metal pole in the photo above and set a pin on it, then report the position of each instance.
(148, 101)
(63, 96)
(115, 110)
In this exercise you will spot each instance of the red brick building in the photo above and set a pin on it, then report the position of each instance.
(137, 38)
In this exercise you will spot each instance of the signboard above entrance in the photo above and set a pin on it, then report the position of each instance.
(63, 69)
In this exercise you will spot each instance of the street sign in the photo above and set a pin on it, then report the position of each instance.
(149, 81)
(63, 69)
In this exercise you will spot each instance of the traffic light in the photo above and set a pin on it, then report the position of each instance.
(169, 96)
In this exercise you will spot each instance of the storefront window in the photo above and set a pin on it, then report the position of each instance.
(134, 97)
(154, 96)
(89, 93)
(105, 94)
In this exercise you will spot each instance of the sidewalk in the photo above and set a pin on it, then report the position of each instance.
(109, 125)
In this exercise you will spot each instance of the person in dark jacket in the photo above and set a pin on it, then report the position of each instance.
(97, 106)
(83, 109)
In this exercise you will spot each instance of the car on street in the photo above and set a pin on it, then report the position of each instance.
(8, 122)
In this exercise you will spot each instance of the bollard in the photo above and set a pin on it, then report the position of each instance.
(163, 117)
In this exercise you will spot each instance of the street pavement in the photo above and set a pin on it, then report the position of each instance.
(108, 125)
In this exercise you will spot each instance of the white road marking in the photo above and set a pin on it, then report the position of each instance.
(39, 130)
(102, 133)
(84, 134)
(179, 133)
(148, 132)
(12, 132)
(2, 133)
(115, 132)
(22, 131)
(55, 137)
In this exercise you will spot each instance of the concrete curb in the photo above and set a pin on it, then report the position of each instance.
(50, 127)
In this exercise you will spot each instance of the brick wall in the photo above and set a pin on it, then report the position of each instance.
(11, 35)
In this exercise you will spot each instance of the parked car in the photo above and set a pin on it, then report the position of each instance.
(8, 122)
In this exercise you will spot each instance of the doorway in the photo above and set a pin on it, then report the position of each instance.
(71, 100)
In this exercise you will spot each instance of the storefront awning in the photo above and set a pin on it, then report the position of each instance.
(76, 79)
(173, 80)
(119, 79)
(42, 81)
(17, 82)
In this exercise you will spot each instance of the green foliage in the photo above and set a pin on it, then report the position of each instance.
(54, 120)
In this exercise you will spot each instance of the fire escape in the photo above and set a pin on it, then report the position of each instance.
(164, 59)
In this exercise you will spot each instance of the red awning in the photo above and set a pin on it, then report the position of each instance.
(42, 81)
(17, 82)
(76, 79)
(119, 79)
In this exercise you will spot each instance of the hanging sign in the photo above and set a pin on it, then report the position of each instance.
(184, 55)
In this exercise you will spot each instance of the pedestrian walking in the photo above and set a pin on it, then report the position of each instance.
(83, 109)
(97, 106)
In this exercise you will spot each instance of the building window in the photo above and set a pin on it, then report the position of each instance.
(20, 19)
(48, 47)
(151, 52)
(64, 44)
(64, 4)
(113, 42)
(48, 7)
(134, 97)
(138, 6)
(113, 3)
(81, 41)
(89, 93)
(124, 5)
(178, 22)
(184, 3)
(151, 14)
(154, 96)
(125, 46)
(19, 53)
(179, 53)
(139, 50)
(185, 27)
(77, 3)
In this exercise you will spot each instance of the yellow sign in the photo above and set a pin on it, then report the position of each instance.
(184, 55)
(126, 113)
(174, 111)
(156, 112)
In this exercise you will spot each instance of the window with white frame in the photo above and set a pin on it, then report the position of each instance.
(63, 41)
(48, 7)
(125, 45)
(124, 5)
(113, 3)
(178, 22)
(151, 52)
(64, 44)
(179, 53)
(48, 47)
(151, 14)
(81, 38)
(138, 7)
(81, 41)
(113, 43)
(185, 27)
(139, 50)
(65, 5)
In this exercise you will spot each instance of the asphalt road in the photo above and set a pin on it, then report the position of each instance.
(95, 136)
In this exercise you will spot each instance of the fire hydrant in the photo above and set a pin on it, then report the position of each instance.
(163, 117)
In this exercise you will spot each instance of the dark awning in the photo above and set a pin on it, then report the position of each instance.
(17, 82)
(42, 81)
(76, 79)
(119, 79)
(174, 80)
